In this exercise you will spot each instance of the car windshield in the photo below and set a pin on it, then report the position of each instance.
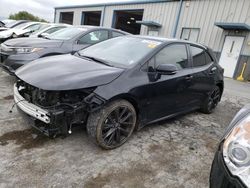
(22, 25)
(66, 34)
(121, 51)
(10, 23)
(42, 27)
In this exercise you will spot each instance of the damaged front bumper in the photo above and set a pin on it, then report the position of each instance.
(30, 108)
(57, 121)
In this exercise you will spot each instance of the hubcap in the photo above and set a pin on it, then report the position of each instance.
(117, 126)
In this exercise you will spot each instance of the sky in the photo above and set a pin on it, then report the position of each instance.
(41, 8)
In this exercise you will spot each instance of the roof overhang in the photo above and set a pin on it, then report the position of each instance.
(233, 26)
(128, 2)
(149, 23)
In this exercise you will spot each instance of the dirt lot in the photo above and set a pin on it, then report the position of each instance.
(174, 153)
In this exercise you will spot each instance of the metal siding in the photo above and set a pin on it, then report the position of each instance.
(203, 14)
(115, 4)
(77, 13)
(199, 14)
(158, 12)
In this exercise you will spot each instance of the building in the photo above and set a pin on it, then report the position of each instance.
(223, 25)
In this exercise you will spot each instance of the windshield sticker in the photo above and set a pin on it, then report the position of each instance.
(151, 43)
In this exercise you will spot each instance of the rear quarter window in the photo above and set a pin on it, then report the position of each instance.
(209, 59)
(199, 57)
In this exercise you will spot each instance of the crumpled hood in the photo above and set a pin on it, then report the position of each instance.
(33, 42)
(66, 72)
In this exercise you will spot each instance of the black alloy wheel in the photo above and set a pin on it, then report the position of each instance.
(214, 98)
(212, 101)
(112, 125)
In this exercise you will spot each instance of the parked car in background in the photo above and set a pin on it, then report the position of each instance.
(23, 29)
(7, 21)
(231, 165)
(1, 24)
(8, 24)
(48, 29)
(118, 85)
(17, 52)
(14, 23)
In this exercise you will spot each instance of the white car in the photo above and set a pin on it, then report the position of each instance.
(46, 30)
(20, 30)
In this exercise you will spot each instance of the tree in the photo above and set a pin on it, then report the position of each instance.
(24, 15)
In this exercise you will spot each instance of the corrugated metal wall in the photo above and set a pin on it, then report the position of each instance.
(77, 13)
(163, 13)
(195, 14)
(204, 13)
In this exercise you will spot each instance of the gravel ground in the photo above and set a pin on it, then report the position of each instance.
(173, 153)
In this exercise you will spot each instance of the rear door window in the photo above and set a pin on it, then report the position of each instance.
(52, 30)
(116, 34)
(33, 27)
(198, 55)
(94, 37)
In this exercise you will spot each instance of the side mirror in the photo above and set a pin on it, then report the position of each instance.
(43, 35)
(27, 34)
(167, 69)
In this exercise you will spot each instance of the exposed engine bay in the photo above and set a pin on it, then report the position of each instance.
(65, 108)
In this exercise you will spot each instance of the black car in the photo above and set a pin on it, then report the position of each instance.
(17, 52)
(231, 165)
(119, 85)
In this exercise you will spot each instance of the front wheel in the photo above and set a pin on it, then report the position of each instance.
(111, 126)
(211, 101)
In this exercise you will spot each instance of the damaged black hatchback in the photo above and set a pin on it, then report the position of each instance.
(117, 86)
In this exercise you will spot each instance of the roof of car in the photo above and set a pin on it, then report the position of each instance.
(167, 40)
(90, 27)
(59, 24)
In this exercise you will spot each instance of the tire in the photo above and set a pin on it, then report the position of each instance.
(112, 125)
(211, 101)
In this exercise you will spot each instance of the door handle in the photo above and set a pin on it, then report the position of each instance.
(188, 77)
(213, 70)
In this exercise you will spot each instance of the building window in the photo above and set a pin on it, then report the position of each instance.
(191, 34)
(66, 17)
(125, 20)
(91, 18)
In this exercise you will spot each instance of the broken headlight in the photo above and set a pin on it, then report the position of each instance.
(236, 150)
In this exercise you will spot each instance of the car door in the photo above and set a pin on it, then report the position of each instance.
(90, 38)
(204, 71)
(169, 94)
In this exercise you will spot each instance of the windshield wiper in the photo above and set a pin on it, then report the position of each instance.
(96, 60)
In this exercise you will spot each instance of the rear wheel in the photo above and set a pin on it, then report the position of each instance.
(111, 126)
(211, 101)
